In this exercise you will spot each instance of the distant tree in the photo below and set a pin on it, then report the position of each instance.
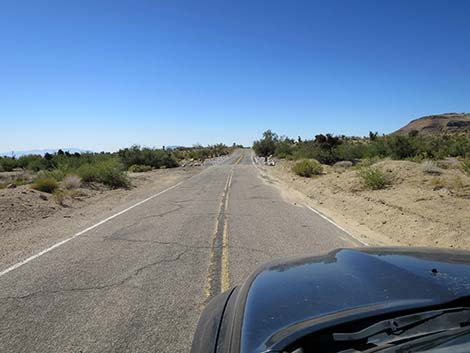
(60, 152)
(413, 133)
(267, 145)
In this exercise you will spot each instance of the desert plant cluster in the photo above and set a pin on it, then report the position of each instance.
(329, 149)
(344, 152)
(61, 171)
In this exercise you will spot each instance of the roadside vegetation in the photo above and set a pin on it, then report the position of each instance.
(56, 173)
(307, 168)
(363, 153)
(329, 149)
(373, 178)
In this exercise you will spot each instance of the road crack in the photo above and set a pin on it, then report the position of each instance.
(120, 283)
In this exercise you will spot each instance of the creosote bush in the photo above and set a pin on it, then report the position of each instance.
(307, 168)
(139, 168)
(108, 172)
(373, 178)
(45, 184)
(466, 166)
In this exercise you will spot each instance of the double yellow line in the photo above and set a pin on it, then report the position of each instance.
(224, 262)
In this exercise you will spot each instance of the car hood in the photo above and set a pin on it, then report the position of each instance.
(282, 296)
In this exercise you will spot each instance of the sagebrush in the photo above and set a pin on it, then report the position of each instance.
(307, 168)
(373, 178)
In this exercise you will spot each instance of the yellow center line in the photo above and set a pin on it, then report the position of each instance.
(224, 256)
(225, 274)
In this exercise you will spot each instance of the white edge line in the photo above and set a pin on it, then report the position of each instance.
(335, 224)
(320, 214)
(19, 264)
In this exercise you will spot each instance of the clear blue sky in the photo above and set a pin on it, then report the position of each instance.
(102, 75)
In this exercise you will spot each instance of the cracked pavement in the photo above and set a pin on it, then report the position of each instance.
(137, 282)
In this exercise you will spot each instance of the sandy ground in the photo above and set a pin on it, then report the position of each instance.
(417, 209)
(31, 220)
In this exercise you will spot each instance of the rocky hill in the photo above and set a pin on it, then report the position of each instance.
(452, 123)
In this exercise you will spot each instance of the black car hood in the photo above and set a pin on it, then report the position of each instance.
(281, 296)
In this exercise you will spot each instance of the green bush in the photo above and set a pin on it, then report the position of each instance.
(45, 184)
(56, 174)
(307, 168)
(7, 164)
(466, 166)
(373, 178)
(146, 156)
(139, 168)
(108, 172)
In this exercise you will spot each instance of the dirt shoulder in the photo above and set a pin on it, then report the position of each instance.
(31, 220)
(418, 209)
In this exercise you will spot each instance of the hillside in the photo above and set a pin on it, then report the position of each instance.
(453, 123)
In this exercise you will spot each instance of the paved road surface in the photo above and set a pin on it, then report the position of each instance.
(138, 282)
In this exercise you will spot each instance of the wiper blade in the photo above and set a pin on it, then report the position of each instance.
(393, 325)
(425, 342)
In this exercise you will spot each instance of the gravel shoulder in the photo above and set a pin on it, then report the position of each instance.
(31, 220)
(418, 209)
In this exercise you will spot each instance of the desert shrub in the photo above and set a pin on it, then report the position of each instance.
(367, 162)
(113, 177)
(139, 168)
(307, 168)
(465, 166)
(108, 172)
(373, 178)
(437, 183)
(7, 164)
(56, 174)
(45, 184)
(147, 156)
(59, 196)
(72, 181)
(429, 167)
(88, 172)
(32, 162)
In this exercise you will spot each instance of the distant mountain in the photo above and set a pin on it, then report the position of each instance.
(451, 123)
(41, 152)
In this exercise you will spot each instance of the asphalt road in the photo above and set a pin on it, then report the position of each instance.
(138, 282)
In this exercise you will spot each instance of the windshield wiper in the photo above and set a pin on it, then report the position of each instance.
(394, 325)
(426, 342)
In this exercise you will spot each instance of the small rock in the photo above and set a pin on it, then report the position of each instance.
(43, 197)
(11, 186)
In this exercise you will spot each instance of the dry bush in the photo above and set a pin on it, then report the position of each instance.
(465, 166)
(72, 181)
(59, 196)
(429, 167)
